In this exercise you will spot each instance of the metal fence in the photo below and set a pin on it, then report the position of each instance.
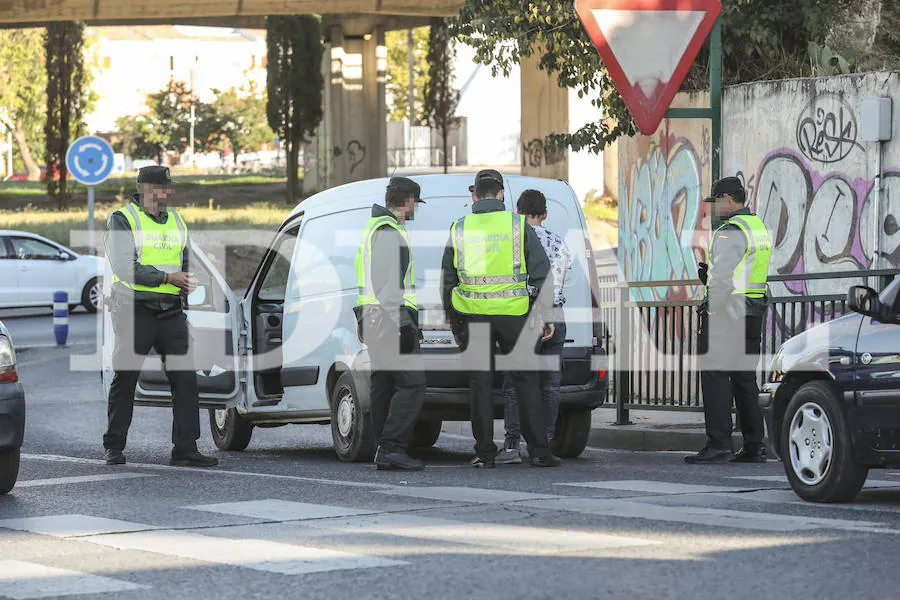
(656, 365)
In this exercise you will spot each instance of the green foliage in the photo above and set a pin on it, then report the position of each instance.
(762, 39)
(64, 59)
(397, 78)
(242, 118)
(294, 83)
(825, 62)
(441, 97)
(23, 94)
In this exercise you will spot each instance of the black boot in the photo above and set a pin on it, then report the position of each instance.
(114, 457)
(191, 458)
(750, 454)
(401, 461)
(709, 455)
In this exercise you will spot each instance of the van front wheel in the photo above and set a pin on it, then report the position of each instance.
(573, 428)
(230, 431)
(351, 426)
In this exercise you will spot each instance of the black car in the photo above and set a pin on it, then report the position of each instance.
(12, 413)
(832, 403)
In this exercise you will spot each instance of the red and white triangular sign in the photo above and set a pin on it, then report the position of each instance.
(648, 47)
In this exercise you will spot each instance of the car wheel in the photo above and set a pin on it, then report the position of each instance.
(9, 469)
(91, 295)
(570, 436)
(426, 433)
(816, 449)
(351, 426)
(230, 431)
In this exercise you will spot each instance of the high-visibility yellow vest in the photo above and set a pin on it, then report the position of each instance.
(364, 264)
(160, 245)
(750, 275)
(489, 256)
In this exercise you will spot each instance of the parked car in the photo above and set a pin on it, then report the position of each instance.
(832, 404)
(33, 267)
(292, 354)
(12, 413)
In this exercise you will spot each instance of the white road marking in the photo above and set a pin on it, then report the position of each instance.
(259, 555)
(280, 510)
(465, 494)
(703, 516)
(654, 487)
(72, 526)
(206, 471)
(80, 479)
(531, 540)
(870, 484)
(22, 580)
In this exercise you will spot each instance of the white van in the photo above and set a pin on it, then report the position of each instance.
(288, 352)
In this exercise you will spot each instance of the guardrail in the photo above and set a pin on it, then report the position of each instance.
(655, 366)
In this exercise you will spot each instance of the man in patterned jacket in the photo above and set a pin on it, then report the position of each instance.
(533, 205)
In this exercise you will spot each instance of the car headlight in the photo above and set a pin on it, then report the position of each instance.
(8, 372)
(776, 369)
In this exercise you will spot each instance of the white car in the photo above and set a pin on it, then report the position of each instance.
(32, 268)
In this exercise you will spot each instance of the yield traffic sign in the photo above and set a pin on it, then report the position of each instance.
(648, 47)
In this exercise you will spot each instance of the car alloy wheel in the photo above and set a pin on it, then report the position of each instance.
(811, 443)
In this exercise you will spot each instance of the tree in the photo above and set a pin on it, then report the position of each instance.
(136, 137)
(64, 55)
(397, 78)
(762, 39)
(441, 98)
(23, 81)
(170, 112)
(242, 116)
(294, 83)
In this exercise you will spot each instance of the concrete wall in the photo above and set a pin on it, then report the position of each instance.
(810, 176)
(663, 224)
(545, 110)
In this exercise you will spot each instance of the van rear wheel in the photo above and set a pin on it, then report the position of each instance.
(9, 469)
(351, 426)
(570, 438)
(230, 431)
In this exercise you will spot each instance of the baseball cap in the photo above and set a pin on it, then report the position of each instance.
(487, 175)
(407, 186)
(155, 174)
(726, 185)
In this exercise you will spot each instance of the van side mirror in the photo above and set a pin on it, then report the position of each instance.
(864, 300)
(63, 255)
(197, 297)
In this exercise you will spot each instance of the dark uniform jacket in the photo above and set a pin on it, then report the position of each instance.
(122, 255)
(536, 262)
(728, 250)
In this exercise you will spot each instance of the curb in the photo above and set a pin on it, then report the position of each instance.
(26, 347)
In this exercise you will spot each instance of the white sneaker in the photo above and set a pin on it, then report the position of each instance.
(508, 456)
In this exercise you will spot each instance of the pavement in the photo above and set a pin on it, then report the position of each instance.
(286, 519)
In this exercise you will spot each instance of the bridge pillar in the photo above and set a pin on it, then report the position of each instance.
(545, 110)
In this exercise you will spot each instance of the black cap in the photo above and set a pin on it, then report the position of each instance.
(155, 174)
(407, 186)
(487, 175)
(726, 185)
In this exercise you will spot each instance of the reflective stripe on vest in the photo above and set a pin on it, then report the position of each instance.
(488, 253)
(750, 275)
(364, 264)
(160, 245)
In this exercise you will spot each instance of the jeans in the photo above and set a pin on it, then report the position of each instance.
(549, 382)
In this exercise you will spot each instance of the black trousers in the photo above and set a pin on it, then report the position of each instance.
(398, 390)
(169, 337)
(728, 375)
(504, 331)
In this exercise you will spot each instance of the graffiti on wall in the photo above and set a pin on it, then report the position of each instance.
(535, 154)
(659, 219)
(821, 222)
(827, 130)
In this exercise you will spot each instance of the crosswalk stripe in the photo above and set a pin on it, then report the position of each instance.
(280, 510)
(531, 540)
(80, 479)
(871, 483)
(654, 487)
(464, 494)
(69, 526)
(22, 580)
(259, 555)
(734, 519)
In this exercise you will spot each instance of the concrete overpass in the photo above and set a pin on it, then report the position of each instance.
(351, 143)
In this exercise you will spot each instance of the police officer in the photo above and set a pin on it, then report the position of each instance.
(735, 304)
(147, 250)
(387, 316)
(491, 258)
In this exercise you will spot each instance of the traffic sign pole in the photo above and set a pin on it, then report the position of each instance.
(90, 161)
(91, 218)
